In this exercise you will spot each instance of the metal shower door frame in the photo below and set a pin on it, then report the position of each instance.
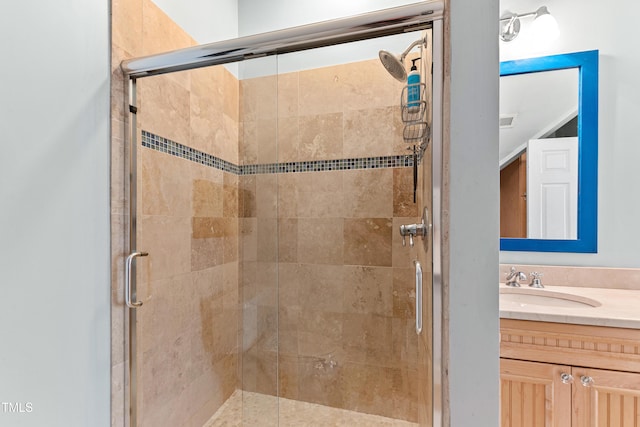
(397, 20)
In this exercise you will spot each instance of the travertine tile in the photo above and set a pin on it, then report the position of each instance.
(367, 241)
(168, 240)
(290, 276)
(231, 94)
(322, 240)
(368, 193)
(165, 184)
(288, 376)
(321, 137)
(321, 287)
(164, 108)
(247, 197)
(231, 241)
(127, 25)
(267, 139)
(288, 139)
(365, 388)
(404, 293)
(206, 252)
(287, 240)
(288, 194)
(368, 85)
(207, 198)
(258, 98)
(248, 239)
(405, 347)
(266, 196)
(156, 22)
(372, 132)
(167, 314)
(323, 383)
(367, 338)
(368, 290)
(267, 239)
(288, 320)
(403, 204)
(321, 91)
(230, 195)
(248, 142)
(288, 95)
(320, 194)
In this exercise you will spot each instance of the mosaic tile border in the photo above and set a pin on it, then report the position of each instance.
(173, 148)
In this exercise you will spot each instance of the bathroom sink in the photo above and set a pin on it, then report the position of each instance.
(523, 297)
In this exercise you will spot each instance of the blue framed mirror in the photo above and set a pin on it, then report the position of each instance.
(551, 138)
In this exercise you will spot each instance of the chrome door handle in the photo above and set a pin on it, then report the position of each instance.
(127, 283)
(418, 297)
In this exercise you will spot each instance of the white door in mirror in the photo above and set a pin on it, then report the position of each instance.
(552, 188)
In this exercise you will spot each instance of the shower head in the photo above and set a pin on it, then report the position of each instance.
(395, 64)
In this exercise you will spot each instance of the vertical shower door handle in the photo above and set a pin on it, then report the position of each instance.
(127, 283)
(418, 297)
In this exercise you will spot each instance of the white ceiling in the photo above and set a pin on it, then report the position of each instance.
(542, 102)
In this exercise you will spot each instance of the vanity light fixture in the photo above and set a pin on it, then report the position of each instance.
(544, 25)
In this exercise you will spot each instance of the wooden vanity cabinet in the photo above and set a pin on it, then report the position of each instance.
(564, 375)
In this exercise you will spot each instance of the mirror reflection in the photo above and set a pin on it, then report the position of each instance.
(539, 155)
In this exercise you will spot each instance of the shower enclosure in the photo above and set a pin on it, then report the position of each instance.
(268, 283)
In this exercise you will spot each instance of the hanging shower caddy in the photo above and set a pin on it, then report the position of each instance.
(414, 107)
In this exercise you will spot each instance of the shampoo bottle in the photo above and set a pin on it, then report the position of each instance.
(413, 87)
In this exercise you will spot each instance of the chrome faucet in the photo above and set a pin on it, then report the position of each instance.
(515, 277)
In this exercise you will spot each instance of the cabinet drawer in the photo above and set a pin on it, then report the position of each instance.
(577, 345)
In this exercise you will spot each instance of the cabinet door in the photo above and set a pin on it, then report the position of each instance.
(605, 398)
(533, 394)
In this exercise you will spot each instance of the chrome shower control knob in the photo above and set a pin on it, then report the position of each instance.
(566, 378)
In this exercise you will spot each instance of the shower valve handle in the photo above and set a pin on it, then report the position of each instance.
(412, 230)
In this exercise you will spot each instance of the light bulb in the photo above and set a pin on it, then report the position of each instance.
(544, 27)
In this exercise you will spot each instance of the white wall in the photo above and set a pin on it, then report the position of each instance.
(205, 20)
(473, 212)
(259, 16)
(256, 16)
(588, 25)
(54, 221)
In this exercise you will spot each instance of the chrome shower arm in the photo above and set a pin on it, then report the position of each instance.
(411, 46)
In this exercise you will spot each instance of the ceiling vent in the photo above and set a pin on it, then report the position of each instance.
(506, 120)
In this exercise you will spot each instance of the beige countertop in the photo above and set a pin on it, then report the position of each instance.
(615, 307)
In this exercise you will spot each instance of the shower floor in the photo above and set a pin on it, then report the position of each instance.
(292, 413)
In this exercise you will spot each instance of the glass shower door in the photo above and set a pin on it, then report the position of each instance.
(348, 350)
(203, 337)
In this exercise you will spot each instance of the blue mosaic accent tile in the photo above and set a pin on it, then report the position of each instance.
(173, 148)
